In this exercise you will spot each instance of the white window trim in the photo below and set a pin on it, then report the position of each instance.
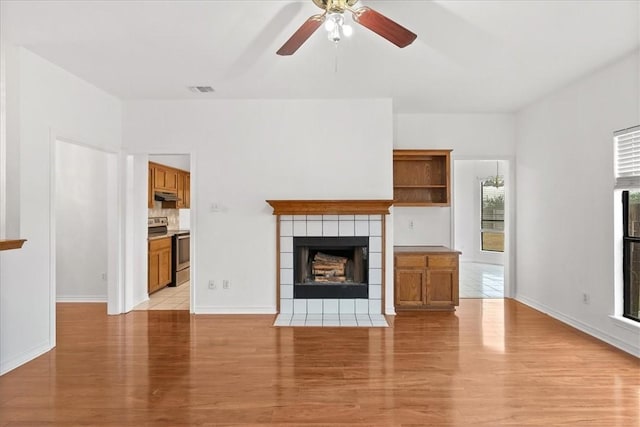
(618, 258)
(483, 230)
(627, 181)
(627, 158)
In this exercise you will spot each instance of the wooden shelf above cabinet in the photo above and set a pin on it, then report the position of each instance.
(420, 204)
(421, 178)
(420, 186)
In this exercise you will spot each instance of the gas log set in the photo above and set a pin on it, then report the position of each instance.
(329, 268)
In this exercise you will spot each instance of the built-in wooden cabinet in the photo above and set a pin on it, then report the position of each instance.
(410, 287)
(159, 263)
(426, 278)
(169, 180)
(421, 178)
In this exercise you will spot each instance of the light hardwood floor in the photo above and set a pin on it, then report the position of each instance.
(491, 363)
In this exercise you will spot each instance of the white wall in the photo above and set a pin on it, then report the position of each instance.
(465, 199)
(9, 141)
(471, 136)
(244, 152)
(468, 175)
(49, 103)
(565, 206)
(81, 223)
(179, 161)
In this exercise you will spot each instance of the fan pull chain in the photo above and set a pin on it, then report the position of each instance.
(335, 67)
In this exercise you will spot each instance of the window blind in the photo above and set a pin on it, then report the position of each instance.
(627, 143)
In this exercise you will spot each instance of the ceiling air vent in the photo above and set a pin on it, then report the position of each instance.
(201, 89)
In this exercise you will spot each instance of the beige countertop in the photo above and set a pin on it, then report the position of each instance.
(424, 249)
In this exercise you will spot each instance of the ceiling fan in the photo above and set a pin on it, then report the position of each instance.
(333, 18)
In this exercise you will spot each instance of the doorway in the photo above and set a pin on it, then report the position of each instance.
(84, 224)
(167, 238)
(481, 233)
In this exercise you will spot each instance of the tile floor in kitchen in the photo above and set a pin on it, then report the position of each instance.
(479, 280)
(167, 299)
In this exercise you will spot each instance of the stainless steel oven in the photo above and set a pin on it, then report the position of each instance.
(181, 244)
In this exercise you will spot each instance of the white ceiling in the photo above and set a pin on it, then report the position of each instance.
(470, 56)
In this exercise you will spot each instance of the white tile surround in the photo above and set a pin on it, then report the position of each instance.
(330, 226)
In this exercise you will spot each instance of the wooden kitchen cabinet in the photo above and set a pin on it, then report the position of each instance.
(169, 180)
(187, 190)
(421, 178)
(426, 278)
(184, 190)
(160, 263)
(150, 190)
(165, 178)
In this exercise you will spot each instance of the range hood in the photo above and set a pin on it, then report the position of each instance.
(165, 197)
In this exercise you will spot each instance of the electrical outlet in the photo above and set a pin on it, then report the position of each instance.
(411, 225)
(586, 298)
(225, 284)
(212, 284)
(104, 276)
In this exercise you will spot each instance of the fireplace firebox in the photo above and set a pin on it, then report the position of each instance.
(331, 267)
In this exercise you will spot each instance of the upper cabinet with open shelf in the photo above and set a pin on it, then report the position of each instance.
(421, 178)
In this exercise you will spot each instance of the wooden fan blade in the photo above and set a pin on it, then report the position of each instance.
(383, 26)
(301, 35)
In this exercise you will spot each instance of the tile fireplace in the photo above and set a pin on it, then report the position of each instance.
(331, 256)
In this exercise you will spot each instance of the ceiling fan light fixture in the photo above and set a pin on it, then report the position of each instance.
(333, 20)
(336, 28)
(334, 36)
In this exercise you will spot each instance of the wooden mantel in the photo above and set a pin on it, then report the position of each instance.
(5, 245)
(330, 207)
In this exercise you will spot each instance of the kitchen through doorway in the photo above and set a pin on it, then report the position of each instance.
(168, 237)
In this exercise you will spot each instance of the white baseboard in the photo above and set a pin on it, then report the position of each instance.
(82, 298)
(234, 310)
(21, 359)
(581, 326)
